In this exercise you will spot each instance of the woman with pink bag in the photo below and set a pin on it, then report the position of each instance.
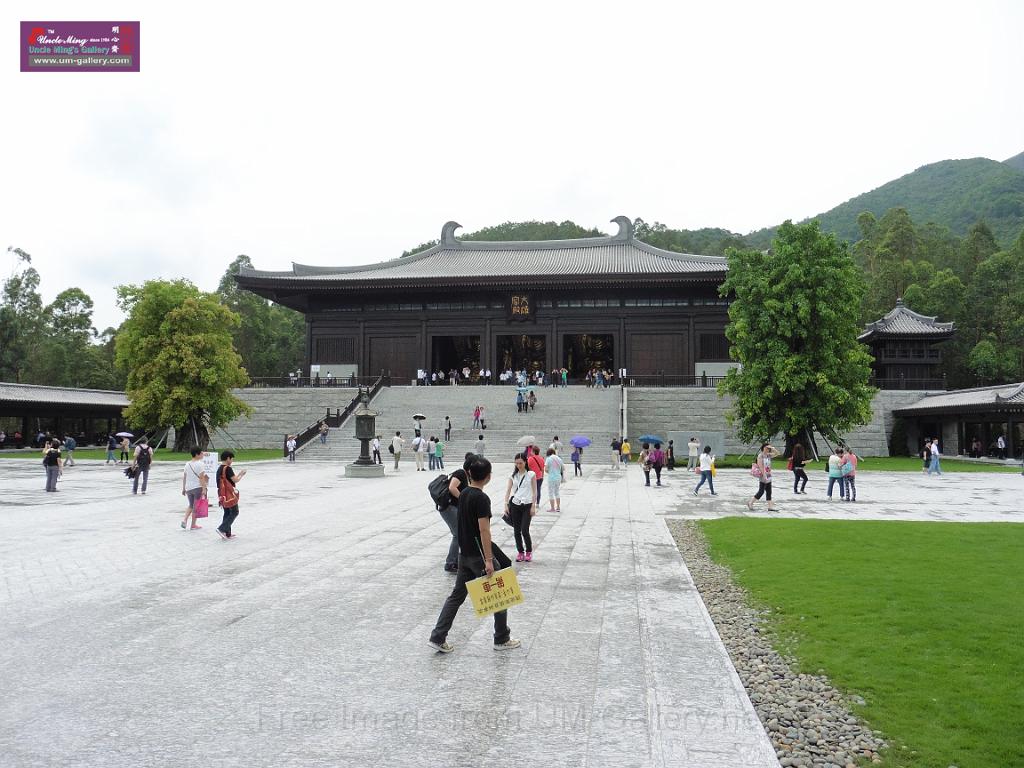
(193, 487)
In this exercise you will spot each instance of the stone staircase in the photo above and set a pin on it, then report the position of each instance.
(281, 411)
(563, 412)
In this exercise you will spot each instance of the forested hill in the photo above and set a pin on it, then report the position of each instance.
(1017, 161)
(951, 193)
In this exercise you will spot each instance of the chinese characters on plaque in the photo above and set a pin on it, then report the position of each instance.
(520, 307)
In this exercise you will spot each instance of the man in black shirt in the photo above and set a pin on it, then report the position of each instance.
(478, 556)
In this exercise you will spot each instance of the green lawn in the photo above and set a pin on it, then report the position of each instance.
(100, 454)
(925, 621)
(878, 464)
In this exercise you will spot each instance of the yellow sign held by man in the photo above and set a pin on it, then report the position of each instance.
(496, 593)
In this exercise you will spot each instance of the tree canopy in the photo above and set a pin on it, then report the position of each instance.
(176, 349)
(793, 325)
(53, 344)
(269, 337)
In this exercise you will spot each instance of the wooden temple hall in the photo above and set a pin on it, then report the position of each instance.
(606, 302)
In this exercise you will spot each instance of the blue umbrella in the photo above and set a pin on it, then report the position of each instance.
(649, 439)
(579, 441)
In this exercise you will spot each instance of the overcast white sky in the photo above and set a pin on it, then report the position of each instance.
(345, 133)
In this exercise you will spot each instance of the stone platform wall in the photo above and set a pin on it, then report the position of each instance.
(660, 410)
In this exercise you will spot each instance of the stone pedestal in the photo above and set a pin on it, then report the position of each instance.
(364, 470)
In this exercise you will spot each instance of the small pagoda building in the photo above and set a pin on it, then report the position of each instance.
(906, 349)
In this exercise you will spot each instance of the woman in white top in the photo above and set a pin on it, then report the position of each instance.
(706, 460)
(521, 506)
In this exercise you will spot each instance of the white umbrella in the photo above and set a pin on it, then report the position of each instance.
(526, 440)
(124, 434)
(419, 417)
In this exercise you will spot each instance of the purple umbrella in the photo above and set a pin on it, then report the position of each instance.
(579, 441)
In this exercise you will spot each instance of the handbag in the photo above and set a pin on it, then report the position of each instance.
(714, 471)
(789, 464)
(755, 470)
(202, 507)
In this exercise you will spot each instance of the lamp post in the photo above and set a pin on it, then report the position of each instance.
(365, 432)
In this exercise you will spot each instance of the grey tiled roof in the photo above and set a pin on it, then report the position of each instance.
(1005, 397)
(619, 254)
(901, 321)
(32, 393)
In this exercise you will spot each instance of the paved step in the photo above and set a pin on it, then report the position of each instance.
(563, 412)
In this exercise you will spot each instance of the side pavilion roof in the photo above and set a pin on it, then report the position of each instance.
(901, 322)
(616, 259)
(26, 399)
(1004, 398)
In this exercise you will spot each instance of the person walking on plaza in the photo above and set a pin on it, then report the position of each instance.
(479, 556)
(521, 494)
(926, 455)
(693, 449)
(1000, 445)
(431, 450)
(645, 462)
(576, 458)
(476, 417)
(535, 463)
(835, 473)
(397, 443)
(439, 455)
(670, 456)
(479, 446)
(797, 463)
(291, 444)
(849, 470)
(706, 460)
(457, 483)
(125, 450)
(556, 444)
(447, 428)
(616, 446)
(624, 451)
(520, 402)
(142, 462)
(111, 447)
(934, 466)
(483, 417)
(52, 464)
(227, 493)
(324, 430)
(657, 461)
(554, 467)
(375, 445)
(70, 445)
(762, 470)
(193, 486)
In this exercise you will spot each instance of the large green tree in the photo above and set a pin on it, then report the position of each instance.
(176, 350)
(793, 324)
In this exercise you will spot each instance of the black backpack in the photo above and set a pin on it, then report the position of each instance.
(439, 492)
(145, 456)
